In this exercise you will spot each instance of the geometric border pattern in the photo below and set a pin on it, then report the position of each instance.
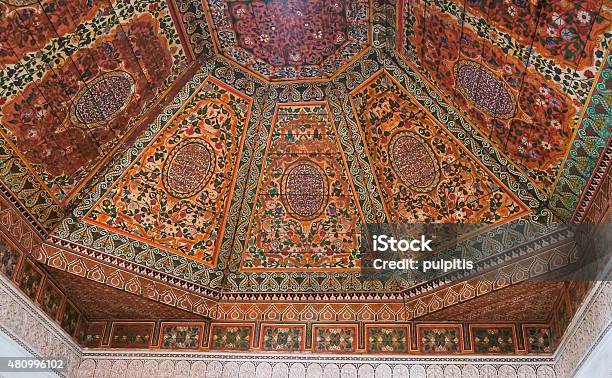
(590, 156)
(344, 337)
(592, 320)
(299, 366)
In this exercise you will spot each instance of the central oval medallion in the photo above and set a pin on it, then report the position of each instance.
(102, 98)
(414, 161)
(188, 168)
(304, 189)
(483, 88)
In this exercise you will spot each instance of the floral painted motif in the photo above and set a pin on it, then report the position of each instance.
(387, 339)
(230, 337)
(456, 188)
(290, 39)
(515, 107)
(539, 340)
(63, 125)
(565, 29)
(131, 335)
(181, 337)
(319, 29)
(50, 299)
(92, 334)
(282, 338)
(25, 29)
(8, 260)
(162, 199)
(305, 215)
(70, 318)
(439, 340)
(493, 340)
(335, 339)
(30, 280)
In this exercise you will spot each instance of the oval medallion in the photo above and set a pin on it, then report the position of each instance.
(414, 161)
(304, 189)
(188, 168)
(102, 98)
(483, 88)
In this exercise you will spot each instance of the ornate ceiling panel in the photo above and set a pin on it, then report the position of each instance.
(305, 197)
(291, 125)
(59, 67)
(288, 40)
(175, 195)
(520, 70)
(565, 31)
(264, 190)
(30, 25)
(423, 173)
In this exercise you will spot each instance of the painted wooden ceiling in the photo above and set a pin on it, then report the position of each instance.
(234, 149)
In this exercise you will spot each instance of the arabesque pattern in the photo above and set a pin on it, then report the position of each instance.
(516, 107)
(246, 142)
(157, 202)
(306, 214)
(291, 39)
(54, 93)
(460, 190)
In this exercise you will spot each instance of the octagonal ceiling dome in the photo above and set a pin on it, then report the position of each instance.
(283, 40)
(205, 168)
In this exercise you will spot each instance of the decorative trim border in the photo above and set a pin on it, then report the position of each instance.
(43, 338)
(589, 157)
(15, 225)
(141, 281)
(312, 365)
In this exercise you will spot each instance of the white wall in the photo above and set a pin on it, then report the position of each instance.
(599, 362)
